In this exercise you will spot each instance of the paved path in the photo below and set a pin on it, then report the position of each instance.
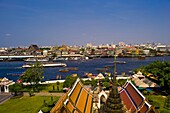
(4, 97)
(44, 94)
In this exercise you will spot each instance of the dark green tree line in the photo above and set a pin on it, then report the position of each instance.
(160, 71)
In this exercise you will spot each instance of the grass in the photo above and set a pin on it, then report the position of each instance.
(49, 87)
(25, 104)
(157, 99)
(44, 87)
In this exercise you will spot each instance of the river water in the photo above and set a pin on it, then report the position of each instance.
(7, 69)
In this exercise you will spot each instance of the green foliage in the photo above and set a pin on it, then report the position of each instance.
(87, 82)
(25, 104)
(53, 87)
(50, 103)
(156, 104)
(145, 92)
(167, 103)
(58, 88)
(33, 75)
(58, 83)
(157, 101)
(106, 79)
(160, 71)
(45, 110)
(16, 88)
(121, 82)
(94, 83)
(106, 84)
(165, 111)
(69, 81)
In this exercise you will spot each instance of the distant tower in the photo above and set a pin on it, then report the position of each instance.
(113, 103)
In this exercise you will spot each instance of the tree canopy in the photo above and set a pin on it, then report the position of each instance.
(34, 74)
(69, 81)
(160, 72)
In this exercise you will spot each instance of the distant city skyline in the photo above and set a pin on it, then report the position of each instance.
(77, 22)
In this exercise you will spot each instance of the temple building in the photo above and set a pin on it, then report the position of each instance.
(77, 100)
(128, 99)
(4, 85)
(80, 100)
(134, 100)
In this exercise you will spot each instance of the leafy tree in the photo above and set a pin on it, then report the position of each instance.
(160, 71)
(87, 82)
(34, 74)
(106, 79)
(94, 83)
(69, 81)
(106, 84)
(167, 102)
(16, 88)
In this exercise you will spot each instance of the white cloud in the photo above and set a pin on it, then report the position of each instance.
(8, 34)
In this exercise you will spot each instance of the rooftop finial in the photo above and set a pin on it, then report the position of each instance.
(113, 103)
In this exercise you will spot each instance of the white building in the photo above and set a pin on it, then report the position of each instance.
(4, 85)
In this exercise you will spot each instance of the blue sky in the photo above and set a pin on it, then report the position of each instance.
(77, 22)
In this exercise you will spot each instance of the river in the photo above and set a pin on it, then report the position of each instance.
(7, 69)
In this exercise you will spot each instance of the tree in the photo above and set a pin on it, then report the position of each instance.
(69, 81)
(167, 102)
(106, 85)
(16, 88)
(34, 74)
(161, 73)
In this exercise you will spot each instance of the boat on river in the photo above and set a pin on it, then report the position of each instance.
(119, 62)
(63, 70)
(68, 69)
(37, 59)
(46, 65)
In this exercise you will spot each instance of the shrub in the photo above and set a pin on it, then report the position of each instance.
(87, 82)
(106, 84)
(165, 111)
(45, 110)
(50, 104)
(156, 104)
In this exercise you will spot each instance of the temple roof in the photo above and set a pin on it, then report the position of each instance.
(133, 99)
(77, 100)
(5, 81)
(99, 76)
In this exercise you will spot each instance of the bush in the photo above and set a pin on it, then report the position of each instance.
(165, 111)
(156, 104)
(45, 110)
(145, 92)
(87, 82)
(50, 104)
(69, 81)
(106, 84)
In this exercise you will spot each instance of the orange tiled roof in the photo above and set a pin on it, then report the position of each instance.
(77, 100)
(59, 104)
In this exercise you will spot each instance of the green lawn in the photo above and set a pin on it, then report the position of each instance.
(158, 100)
(49, 87)
(45, 87)
(25, 104)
